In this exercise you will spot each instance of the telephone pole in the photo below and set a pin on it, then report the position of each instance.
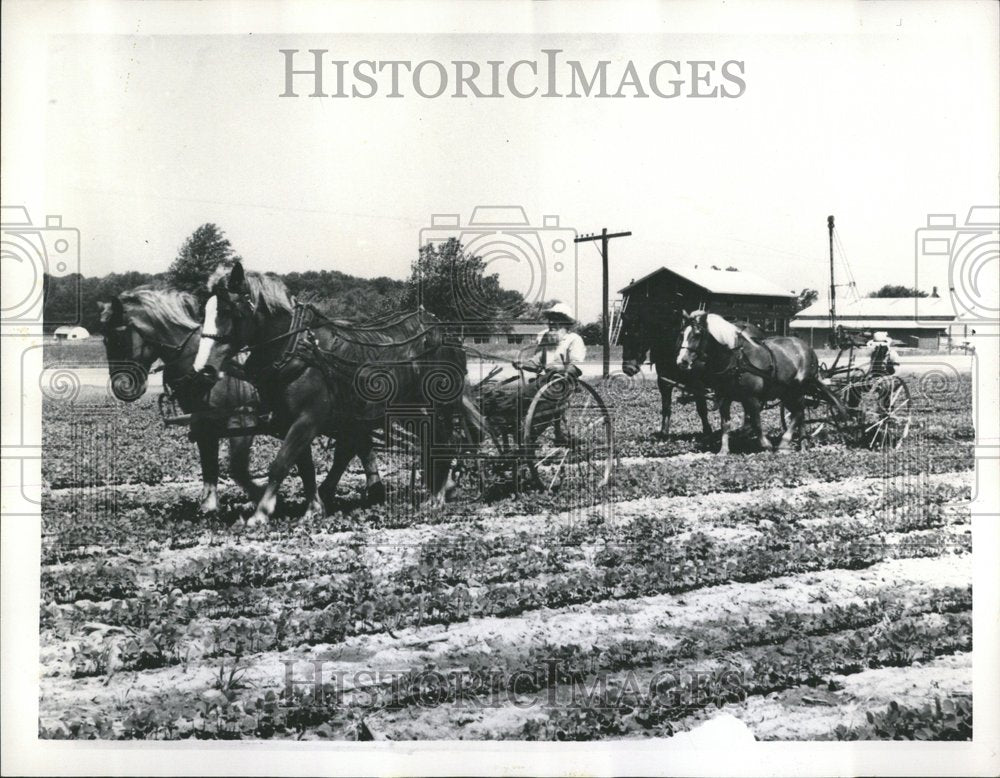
(833, 287)
(604, 237)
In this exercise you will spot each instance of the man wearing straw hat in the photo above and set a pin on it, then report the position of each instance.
(559, 349)
(884, 358)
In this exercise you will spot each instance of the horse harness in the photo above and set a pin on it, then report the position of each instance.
(739, 363)
(303, 350)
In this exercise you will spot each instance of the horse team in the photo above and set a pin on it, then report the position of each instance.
(318, 375)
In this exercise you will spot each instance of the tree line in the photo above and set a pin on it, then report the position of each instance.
(448, 281)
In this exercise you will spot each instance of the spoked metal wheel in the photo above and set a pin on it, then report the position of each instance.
(567, 438)
(488, 465)
(820, 427)
(885, 413)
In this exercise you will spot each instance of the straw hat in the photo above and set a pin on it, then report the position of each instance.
(560, 312)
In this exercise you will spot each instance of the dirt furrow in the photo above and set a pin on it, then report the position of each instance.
(665, 619)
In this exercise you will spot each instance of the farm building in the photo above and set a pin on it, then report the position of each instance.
(516, 334)
(68, 332)
(926, 322)
(731, 293)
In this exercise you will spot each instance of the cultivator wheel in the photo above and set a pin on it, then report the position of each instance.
(884, 413)
(821, 426)
(567, 439)
(490, 468)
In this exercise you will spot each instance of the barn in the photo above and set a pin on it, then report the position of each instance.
(68, 332)
(935, 327)
(732, 293)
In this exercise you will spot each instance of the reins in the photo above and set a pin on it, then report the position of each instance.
(325, 322)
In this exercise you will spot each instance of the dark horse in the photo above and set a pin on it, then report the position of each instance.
(324, 376)
(655, 330)
(143, 325)
(752, 371)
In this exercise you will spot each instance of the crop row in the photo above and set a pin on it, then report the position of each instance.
(762, 670)
(330, 609)
(240, 582)
(791, 649)
(148, 521)
(941, 719)
(942, 414)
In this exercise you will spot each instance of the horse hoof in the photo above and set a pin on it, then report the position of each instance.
(375, 494)
(238, 526)
(257, 522)
(316, 510)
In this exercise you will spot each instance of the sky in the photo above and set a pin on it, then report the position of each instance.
(147, 136)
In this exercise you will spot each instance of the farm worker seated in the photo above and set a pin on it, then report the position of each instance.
(884, 358)
(559, 349)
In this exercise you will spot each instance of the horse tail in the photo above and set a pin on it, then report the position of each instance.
(840, 412)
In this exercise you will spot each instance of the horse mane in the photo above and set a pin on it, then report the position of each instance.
(722, 331)
(164, 311)
(269, 289)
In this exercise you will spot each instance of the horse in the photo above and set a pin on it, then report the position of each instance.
(326, 376)
(753, 371)
(144, 325)
(655, 330)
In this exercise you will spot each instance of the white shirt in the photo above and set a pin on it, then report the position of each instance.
(569, 349)
(891, 355)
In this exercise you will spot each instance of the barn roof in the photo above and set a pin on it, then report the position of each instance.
(739, 282)
(877, 311)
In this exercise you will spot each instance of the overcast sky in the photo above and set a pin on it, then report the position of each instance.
(148, 136)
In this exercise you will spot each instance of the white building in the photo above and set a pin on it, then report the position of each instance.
(924, 322)
(68, 332)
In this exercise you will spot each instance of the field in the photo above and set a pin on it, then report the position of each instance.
(822, 594)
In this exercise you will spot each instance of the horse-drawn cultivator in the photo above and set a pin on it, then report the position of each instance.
(553, 432)
(875, 407)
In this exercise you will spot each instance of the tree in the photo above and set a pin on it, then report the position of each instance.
(201, 254)
(73, 299)
(897, 290)
(806, 298)
(592, 333)
(346, 296)
(453, 285)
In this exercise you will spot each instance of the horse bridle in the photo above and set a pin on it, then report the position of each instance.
(121, 330)
(699, 353)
